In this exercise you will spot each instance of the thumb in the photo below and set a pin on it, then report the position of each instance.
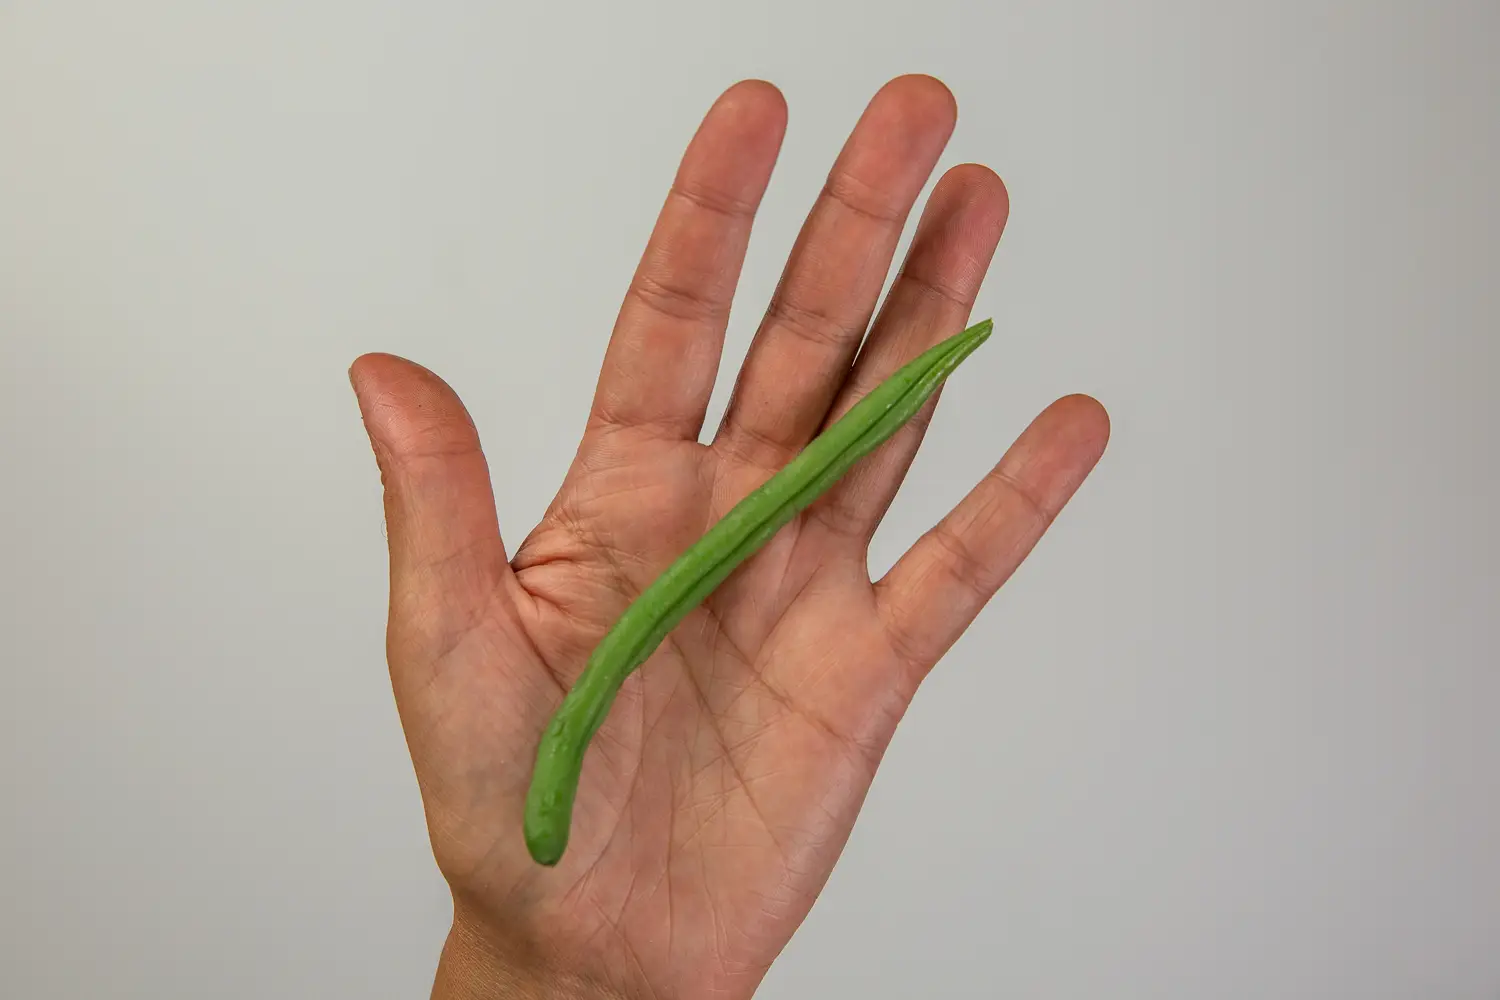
(447, 559)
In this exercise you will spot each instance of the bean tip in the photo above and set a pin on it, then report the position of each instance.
(545, 850)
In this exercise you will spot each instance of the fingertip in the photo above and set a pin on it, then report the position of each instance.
(1058, 451)
(379, 374)
(756, 89)
(922, 92)
(757, 106)
(409, 409)
(1088, 417)
(980, 183)
(974, 193)
(371, 372)
(909, 120)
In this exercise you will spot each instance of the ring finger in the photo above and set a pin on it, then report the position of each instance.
(930, 299)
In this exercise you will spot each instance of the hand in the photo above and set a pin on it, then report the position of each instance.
(726, 778)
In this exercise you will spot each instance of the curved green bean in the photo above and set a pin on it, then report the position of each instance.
(705, 565)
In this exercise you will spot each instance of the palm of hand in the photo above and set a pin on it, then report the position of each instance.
(718, 794)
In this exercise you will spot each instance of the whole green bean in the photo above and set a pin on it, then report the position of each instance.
(705, 565)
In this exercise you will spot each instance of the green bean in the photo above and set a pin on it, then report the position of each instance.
(705, 565)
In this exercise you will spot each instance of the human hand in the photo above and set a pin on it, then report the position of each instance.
(724, 783)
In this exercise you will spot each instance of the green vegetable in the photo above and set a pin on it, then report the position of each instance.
(705, 565)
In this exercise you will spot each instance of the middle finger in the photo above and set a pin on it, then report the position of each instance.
(802, 351)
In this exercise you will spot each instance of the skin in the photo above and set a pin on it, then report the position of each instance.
(723, 785)
(707, 563)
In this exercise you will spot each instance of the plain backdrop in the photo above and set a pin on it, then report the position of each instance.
(1232, 732)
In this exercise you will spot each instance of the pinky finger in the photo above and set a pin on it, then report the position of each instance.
(943, 581)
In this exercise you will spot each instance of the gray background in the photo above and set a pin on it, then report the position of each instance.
(1233, 732)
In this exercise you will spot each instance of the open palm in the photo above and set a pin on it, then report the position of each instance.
(725, 781)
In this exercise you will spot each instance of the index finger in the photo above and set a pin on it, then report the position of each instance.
(663, 355)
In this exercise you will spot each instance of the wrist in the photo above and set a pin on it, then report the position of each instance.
(474, 966)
